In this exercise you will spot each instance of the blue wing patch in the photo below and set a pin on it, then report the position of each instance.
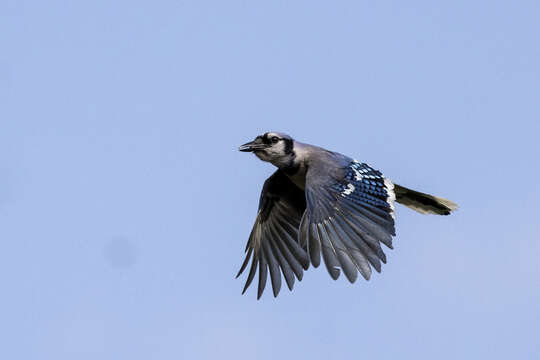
(364, 185)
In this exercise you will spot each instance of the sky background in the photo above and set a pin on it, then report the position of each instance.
(125, 205)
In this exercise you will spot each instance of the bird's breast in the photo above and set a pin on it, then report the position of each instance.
(298, 177)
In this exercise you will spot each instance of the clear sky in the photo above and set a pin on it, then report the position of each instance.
(125, 205)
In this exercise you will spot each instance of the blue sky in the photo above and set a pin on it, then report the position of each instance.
(125, 205)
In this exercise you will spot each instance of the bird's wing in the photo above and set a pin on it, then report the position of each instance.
(273, 244)
(349, 214)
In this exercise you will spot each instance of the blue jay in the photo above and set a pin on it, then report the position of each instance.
(320, 202)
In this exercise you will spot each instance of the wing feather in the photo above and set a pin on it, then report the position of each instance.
(343, 252)
(360, 259)
(273, 245)
(263, 274)
(286, 269)
(273, 265)
(293, 262)
(252, 271)
(328, 253)
(314, 246)
(349, 214)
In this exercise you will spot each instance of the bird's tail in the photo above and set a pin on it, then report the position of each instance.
(423, 203)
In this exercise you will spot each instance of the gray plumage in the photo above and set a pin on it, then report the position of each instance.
(321, 203)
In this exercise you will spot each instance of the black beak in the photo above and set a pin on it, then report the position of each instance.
(252, 146)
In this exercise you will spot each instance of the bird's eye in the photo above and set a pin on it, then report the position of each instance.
(275, 139)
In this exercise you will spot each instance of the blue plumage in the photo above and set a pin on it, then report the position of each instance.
(363, 184)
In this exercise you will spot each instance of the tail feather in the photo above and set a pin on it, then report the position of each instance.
(423, 203)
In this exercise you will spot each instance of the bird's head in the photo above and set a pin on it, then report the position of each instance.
(273, 147)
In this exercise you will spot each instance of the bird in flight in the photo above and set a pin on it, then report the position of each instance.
(322, 203)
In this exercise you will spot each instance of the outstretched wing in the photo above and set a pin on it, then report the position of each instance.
(273, 244)
(349, 214)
